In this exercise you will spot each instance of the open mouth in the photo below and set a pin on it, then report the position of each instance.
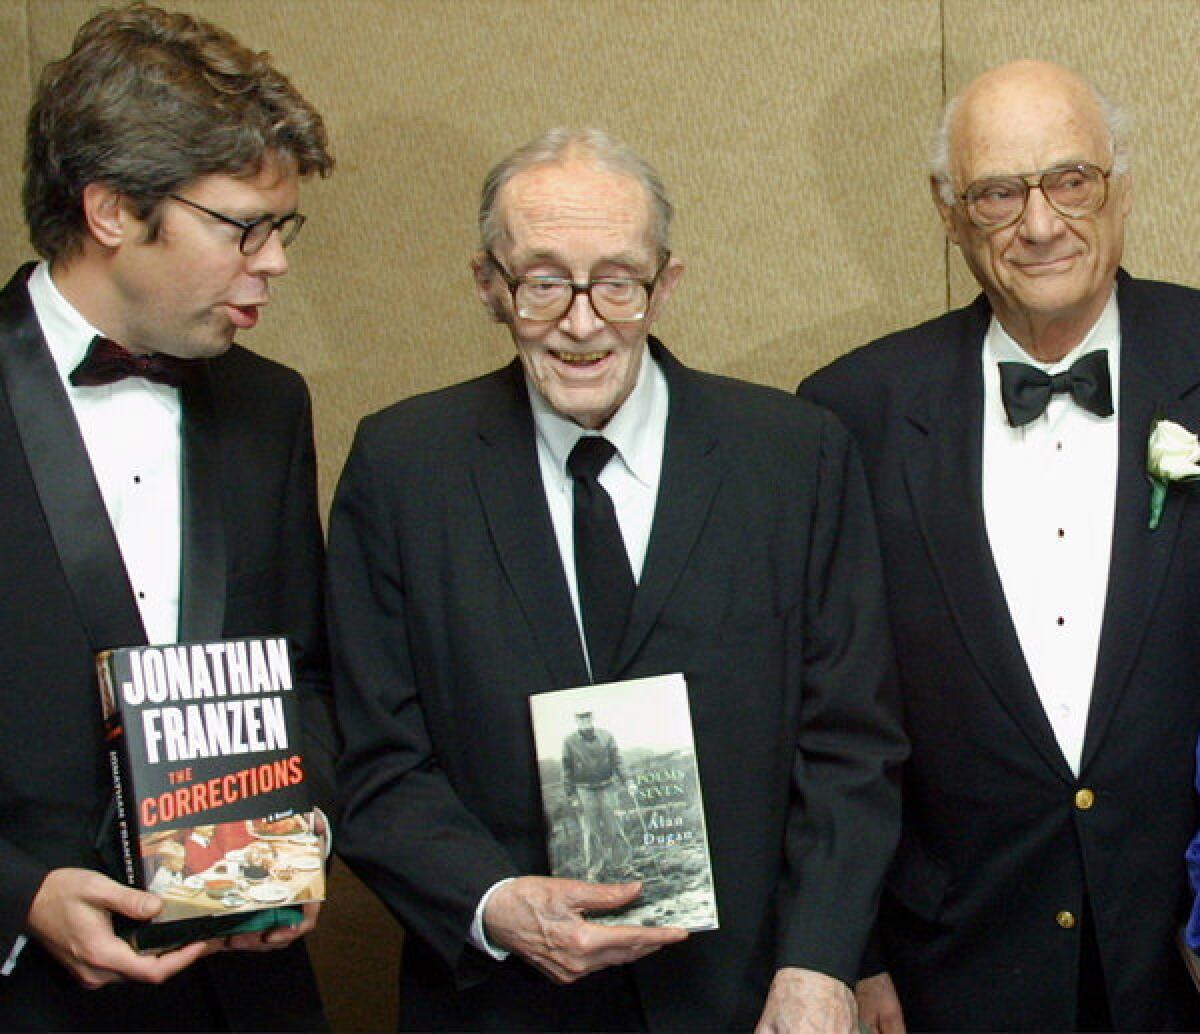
(243, 316)
(580, 359)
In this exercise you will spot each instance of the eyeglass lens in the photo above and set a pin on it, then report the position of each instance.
(1073, 191)
(617, 301)
(258, 232)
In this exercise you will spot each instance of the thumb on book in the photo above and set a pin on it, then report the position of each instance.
(136, 904)
(597, 897)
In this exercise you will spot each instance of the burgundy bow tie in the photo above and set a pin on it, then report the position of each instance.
(106, 362)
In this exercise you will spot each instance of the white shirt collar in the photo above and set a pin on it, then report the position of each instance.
(68, 335)
(637, 429)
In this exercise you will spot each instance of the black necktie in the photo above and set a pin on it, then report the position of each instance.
(1026, 390)
(107, 362)
(601, 564)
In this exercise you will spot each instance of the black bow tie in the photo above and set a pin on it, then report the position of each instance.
(1026, 390)
(107, 362)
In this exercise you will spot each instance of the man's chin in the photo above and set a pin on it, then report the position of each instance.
(209, 348)
(590, 408)
(1048, 297)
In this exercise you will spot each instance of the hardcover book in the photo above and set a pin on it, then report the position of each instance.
(212, 812)
(621, 794)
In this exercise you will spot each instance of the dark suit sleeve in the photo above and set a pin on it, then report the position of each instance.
(845, 815)
(23, 875)
(403, 828)
(302, 602)
(848, 395)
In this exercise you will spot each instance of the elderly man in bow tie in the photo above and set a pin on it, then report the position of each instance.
(156, 490)
(1045, 618)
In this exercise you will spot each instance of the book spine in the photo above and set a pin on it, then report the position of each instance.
(118, 766)
(124, 834)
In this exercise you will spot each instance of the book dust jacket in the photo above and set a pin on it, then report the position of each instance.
(212, 807)
(621, 794)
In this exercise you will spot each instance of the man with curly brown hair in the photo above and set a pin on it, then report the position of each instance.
(156, 490)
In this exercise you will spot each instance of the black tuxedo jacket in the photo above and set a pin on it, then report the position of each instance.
(449, 607)
(252, 557)
(997, 841)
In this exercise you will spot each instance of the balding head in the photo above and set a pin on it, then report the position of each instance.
(984, 101)
(1045, 251)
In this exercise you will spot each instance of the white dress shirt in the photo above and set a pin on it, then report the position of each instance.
(1049, 495)
(638, 430)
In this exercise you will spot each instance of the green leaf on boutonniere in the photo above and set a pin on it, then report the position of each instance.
(1158, 496)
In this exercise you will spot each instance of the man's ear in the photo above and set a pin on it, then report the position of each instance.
(489, 286)
(663, 287)
(945, 211)
(105, 214)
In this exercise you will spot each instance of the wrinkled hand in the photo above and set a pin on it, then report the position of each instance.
(541, 919)
(275, 938)
(71, 916)
(803, 1001)
(879, 1006)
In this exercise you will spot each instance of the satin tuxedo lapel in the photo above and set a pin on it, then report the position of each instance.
(62, 474)
(202, 579)
(689, 481)
(943, 466)
(1158, 367)
(509, 482)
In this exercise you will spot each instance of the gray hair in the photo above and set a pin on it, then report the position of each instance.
(597, 147)
(1116, 121)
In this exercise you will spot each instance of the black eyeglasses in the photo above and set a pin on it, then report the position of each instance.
(255, 232)
(1072, 190)
(545, 299)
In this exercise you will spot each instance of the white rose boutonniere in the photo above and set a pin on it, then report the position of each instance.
(1172, 454)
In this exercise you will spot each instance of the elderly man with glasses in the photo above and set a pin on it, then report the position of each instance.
(1043, 589)
(595, 512)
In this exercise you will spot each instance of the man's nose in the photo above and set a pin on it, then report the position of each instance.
(581, 320)
(271, 258)
(1040, 220)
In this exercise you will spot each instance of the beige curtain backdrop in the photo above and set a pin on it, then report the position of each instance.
(792, 136)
